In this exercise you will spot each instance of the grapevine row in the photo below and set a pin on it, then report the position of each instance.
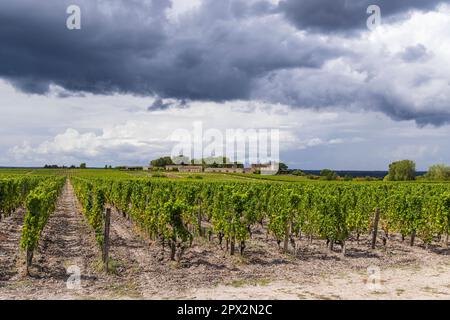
(40, 203)
(14, 190)
(175, 212)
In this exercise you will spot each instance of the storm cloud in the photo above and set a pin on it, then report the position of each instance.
(345, 15)
(161, 105)
(252, 50)
(130, 47)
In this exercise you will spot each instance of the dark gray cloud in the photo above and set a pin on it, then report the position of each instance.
(389, 92)
(161, 105)
(398, 109)
(130, 47)
(345, 15)
(102, 57)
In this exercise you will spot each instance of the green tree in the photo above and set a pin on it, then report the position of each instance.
(161, 162)
(282, 167)
(83, 166)
(404, 170)
(328, 174)
(438, 172)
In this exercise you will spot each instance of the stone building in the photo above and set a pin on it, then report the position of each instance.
(184, 168)
(225, 170)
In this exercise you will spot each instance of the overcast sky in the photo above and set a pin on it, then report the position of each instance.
(342, 96)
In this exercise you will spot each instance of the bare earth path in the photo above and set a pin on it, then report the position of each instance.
(140, 270)
(10, 230)
(63, 241)
(430, 282)
(133, 253)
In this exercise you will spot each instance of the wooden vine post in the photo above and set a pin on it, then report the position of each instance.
(233, 242)
(446, 239)
(199, 217)
(413, 237)
(286, 238)
(105, 257)
(29, 260)
(375, 228)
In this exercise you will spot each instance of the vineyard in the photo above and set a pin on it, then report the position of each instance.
(229, 216)
(176, 212)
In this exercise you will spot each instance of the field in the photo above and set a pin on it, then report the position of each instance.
(195, 236)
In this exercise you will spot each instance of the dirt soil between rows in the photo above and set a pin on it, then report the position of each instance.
(141, 270)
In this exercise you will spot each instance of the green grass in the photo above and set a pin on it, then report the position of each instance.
(400, 291)
(246, 282)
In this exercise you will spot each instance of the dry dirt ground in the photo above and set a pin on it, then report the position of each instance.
(140, 270)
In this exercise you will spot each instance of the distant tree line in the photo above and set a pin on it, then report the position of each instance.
(161, 162)
(55, 166)
(211, 162)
